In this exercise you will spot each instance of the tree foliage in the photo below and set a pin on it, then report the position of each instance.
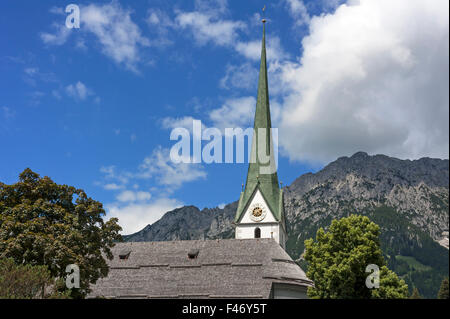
(22, 281)
(43, 223)
(415, 294)
(443, 291)
(27, 282)
(338, 258)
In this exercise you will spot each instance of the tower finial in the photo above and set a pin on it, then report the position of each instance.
(263, 10)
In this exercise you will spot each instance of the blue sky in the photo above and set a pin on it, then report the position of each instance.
(93, 107)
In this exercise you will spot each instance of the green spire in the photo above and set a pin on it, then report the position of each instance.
(267, 183)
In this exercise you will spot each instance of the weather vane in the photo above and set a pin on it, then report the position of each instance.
(263, 10)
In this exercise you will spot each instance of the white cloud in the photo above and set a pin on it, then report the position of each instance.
(112, 174)
(135, 216)
(212, 7)
(31, 71)
(171, 122)
(132, 196)
(57, 10)
(252, 49)
(205, 28)
(118, 35)
(157, 167)
(60, 36)
(374, 76)
(172, 175)
(179, 122)
(56, 94)
(112, 186)
(244, 76)
(238, 112)
(35, 97)
(160, 23)
(7, 113)
(78, 91)
(33, 75)
(298, 11)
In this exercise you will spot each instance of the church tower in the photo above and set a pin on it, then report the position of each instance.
(260, 212)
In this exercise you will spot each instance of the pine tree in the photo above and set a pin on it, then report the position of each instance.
(443, 291)
(415, 294)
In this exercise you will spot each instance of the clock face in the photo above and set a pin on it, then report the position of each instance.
(257, 212)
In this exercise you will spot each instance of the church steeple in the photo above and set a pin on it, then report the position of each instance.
(262, 177)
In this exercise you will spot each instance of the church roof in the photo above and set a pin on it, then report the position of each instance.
(267, 183)
(228, 268)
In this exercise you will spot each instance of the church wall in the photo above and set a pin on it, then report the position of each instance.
(267, 231)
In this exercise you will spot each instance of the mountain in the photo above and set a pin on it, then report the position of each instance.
(408, 199)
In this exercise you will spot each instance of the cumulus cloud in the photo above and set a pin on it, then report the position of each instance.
(169, 174)
(176, 122)
(119, 37)
(237, 112)
(373, 76)
(58, 37)
(158, 167)
(133, 196)
(78, 91)
(206, 29)
(57, 10)
(298, 10)
(111, 173)
(244, 76)
(252, 49)
(135, 216)
(212, 7)
(112, 186)
(160, 23)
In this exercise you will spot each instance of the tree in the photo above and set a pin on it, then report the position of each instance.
(443, 291)
(26, 281)
(22, 281)
(337, 262)
(415, 294)
(43, 223)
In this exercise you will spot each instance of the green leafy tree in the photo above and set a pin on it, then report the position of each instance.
(338, 258)
(26, 281)
(43, 223)
(415, 294)
(22, 281)
(443, 291)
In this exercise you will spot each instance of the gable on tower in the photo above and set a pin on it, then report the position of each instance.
(276, 206)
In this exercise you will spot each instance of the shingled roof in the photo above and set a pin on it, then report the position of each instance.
(228, 268)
